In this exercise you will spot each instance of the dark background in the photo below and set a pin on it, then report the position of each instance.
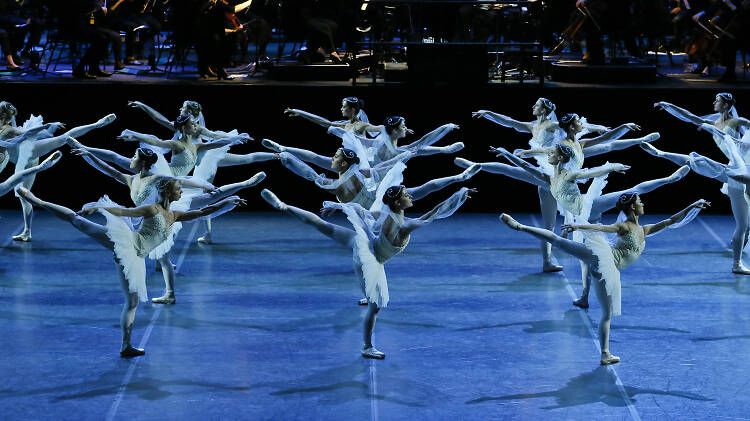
(258, 110)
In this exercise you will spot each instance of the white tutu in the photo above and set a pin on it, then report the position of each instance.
(606, 267)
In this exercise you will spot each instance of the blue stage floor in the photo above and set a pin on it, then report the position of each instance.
(266, 326)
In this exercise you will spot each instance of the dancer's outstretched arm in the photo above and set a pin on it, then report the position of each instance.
(530, 168)
(144, 211)
(21, 135)
(442, 210)
(208, 210)
(218, 143)
(504, 120)
(597, 171)
(102, 166)
(155, 115)
(433, 136)
(616, 133)
(294, 112)
(620, 228)
(132, 136)
(654, 228)
(681, 113)
(103, 154)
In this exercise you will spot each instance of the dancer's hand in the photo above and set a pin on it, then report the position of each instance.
(135, 104)
(237, 201)
(705, 126)
(291, 112)
(453, 126)
(53, 127)
(661, 105)
(470, 191)
(479, 114)
(498, 151)
(409, 131)
(701, 204)
(621, 168)
(211, 190)
(127, 136)
(247, 136)
(521, 153)
(632, 126)
(568, 228)
(327, 211)
(88, 211)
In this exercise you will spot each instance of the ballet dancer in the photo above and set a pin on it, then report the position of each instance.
(351, 110)
(607, 261)
(131, 247)
(375, 237)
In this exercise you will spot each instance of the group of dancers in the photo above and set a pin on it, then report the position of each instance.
(366, 177)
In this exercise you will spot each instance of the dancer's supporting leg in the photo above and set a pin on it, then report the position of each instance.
(547, 202)
(303, 154)
(164, 264)
(12, 181)
(617, 145)
(741, 213)
(99, 234)
(441, 183)
(585, 254)
(368, 349)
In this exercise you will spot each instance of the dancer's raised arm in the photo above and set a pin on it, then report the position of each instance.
(504, 120)
(155, 115)
(218, 143)
(433, 136)
(144, 211)
(654, 228)
(681, 113)
(615, 133)
(208, 210)
(131, 136)
(294, 112)
(102, 166)
(442, 210)
(605, 169)
(530, 168)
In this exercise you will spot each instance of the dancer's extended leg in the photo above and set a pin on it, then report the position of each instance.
(303, 154)
(608, 201)
(617, 145)
(440, 183)
(337, 233)
(232, 159)
(206, 199)
(571, 247)
(503, 169)
(432, 150)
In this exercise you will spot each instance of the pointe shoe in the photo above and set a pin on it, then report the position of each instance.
(106, 120)
(205, 238)
(167, 298)
(130, 352)
(679, 174)
(463, 163)
(581, 302)
(51, 160)
(362, 302)
(652, 137)
(272, 200)
(740, 269)
(270, 144)
(23, 237)
(551, 267)
(509, 221)
(257, 178)
(650, 149)
(454, 147)
(471, 171)
(608, 358)
(371, 352)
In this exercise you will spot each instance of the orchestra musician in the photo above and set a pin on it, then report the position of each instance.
(133, 17)
(212, 46)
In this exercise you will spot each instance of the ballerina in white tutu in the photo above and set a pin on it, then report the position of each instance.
(210, 160)
(26, 144)
(356, 120)
(130, 247)
(606, 260)
(375, 237)
(142, 187)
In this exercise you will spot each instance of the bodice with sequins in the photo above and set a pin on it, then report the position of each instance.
(627, 249)
(182, 163)
(141, 190)
(153, 231)
(567, 194)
